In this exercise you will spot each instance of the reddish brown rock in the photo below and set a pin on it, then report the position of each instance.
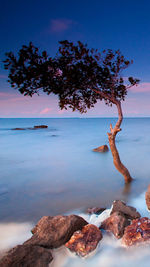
(85, 241)
(52, 232)
(147, 197)
(137, 232)
(27, 256)
(103, 148)
(40, 126)
(128, 211)
(116, 224)
(95, 210)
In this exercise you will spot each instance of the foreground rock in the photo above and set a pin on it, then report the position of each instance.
(95, 210)
(128, 211)
(103, 148)
(40, 126)
(27, 256)
(85, 241)
(116, 224)
(137, 232)
(147, 197)
(53, 232)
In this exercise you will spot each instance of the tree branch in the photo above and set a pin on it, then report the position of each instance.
(128, 87)
(106, 96)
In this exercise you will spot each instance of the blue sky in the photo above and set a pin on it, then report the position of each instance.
(123, 25)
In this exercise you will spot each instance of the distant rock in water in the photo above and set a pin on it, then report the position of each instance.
(53, 232)
(32, 128)
(103, 148)
(137, 232)
(147, 198)
(18, 129)
(40, 126)
(27, 255)
(85, 241)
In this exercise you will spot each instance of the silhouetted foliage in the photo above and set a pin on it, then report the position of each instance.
(78, 75)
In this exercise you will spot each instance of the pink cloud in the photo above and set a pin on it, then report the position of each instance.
(12, 97)
(29, 112)
(45, 110)
(62, 111)
(3, 94)
(14, 104)
(60, 25)
(141, 88)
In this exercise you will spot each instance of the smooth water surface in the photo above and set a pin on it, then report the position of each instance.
(54, 171)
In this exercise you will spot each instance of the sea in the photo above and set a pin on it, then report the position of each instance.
(54, 171)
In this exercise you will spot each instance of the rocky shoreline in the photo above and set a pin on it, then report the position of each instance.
(79, 236)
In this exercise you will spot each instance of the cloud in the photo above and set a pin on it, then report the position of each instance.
(141, 88)
(13, 104)
(60, 25)
(62, 111)
(45, 110)
(3, 94)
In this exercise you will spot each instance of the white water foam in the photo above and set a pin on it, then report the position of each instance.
(12, 234)
(110, 252)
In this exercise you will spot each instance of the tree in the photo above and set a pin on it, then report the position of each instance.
(79, 76)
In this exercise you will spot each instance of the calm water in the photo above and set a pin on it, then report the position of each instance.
(54, 171)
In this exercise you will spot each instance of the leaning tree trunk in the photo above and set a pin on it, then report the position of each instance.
(111, 137)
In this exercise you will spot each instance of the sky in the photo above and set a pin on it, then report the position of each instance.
(110, 24)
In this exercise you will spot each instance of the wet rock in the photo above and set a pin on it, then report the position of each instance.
(147, 197)
(40, 126)
(53, 232)
(128, 211)
(137, 232)
(95, 210)
(27, 256)
(116, 224)
(18, 129)
(85, 241)
(103, 148)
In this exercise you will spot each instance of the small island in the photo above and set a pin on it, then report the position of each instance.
(29, 128)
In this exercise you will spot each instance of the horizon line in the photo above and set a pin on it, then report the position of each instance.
(125, 117)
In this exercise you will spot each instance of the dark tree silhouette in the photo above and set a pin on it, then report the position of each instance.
(79, 76)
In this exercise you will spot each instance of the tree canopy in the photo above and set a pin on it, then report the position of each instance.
(80, 76)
